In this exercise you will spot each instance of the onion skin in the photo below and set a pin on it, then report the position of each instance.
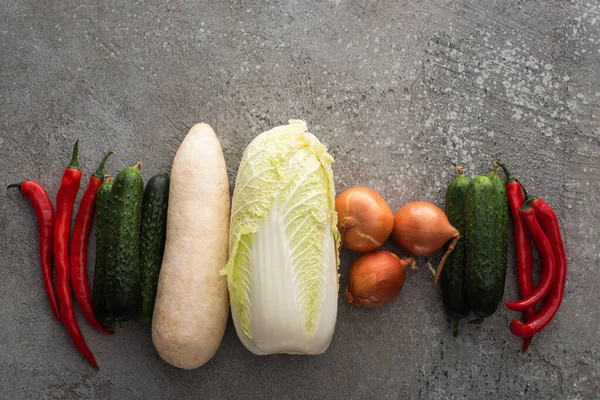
(422, 228)
(376, 278)
(364, 219)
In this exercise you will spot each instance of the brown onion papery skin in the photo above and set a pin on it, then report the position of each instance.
(422, 228)
(376, 278)
(364, 218)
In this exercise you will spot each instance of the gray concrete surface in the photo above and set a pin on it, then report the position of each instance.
(398, 90)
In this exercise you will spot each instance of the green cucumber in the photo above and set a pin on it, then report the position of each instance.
(453, 275)
(102, 223)
(123, 293)
(501, 200)
(153, 232)
(486, 218)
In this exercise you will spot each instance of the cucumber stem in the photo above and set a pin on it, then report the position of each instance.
(455, 328)
(476, 321)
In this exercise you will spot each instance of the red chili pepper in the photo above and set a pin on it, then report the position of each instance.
(45, 219)
(549, 222)
(79, 243)
(516, 198)
(542, 244)
(64, 212)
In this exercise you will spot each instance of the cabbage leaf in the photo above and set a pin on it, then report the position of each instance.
(282, 270)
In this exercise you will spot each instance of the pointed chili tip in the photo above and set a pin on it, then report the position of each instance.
(515, 327)
(99, 174)
(17, 185)
(74, 163)
(509, 305)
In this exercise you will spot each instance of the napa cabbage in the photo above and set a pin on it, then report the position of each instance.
(282, 271)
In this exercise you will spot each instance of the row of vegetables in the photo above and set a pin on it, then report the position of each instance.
(474, 231)
(176, 255)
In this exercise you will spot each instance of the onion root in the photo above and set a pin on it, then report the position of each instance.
(445, 257)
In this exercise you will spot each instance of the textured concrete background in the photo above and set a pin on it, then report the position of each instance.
(398, 90)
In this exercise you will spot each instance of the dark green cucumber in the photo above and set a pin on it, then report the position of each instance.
(153, 232)
(454, 294)
(123, 292)
(503, 215)
(486, 218)
(102, 223)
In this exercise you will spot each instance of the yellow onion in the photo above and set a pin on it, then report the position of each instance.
(376, 278)
(422, 229)
(364, 219)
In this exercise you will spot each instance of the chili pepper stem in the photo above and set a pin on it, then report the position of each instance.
(74, 163)
(99, 174)
(529, 198)
(17, 185)
(527, 204)
(510, 178)
(495, 167)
